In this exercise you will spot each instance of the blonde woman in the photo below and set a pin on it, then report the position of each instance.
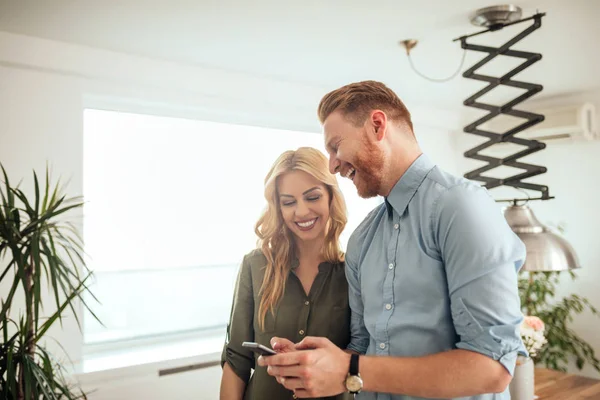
(294, 284)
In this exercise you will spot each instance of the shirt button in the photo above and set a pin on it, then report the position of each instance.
(306, 302)
(391, 266)
(301, 332)
(388, 306)
(382, 345)
(396, 226)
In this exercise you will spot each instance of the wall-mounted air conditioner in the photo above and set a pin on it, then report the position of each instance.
(576, 123)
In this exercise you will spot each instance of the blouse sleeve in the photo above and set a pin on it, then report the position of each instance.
(241, 326)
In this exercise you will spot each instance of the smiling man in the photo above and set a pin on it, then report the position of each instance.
(432, 272)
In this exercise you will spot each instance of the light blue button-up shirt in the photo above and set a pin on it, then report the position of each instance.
(435, 268)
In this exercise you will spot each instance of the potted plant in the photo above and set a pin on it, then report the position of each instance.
(38, 246)
(537, 291)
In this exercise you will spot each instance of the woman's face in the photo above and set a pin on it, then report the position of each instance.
(304, 204)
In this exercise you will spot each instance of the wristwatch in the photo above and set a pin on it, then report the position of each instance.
(354, 382)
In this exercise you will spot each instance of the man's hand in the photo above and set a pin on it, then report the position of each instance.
(317, 369)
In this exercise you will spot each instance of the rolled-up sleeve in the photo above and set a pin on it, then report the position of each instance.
(241, 326)
(359, 336)
(482, 258)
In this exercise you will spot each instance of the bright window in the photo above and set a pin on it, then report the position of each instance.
(170, 210)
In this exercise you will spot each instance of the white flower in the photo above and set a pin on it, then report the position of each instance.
(532, 334)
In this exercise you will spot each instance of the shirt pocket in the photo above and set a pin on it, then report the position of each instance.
(339, 326)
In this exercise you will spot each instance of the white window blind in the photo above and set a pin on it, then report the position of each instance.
(170, 210)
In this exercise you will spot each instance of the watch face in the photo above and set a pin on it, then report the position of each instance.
(354, 383)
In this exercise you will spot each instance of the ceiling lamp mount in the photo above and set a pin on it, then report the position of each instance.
(493, 111)
(496, 16)
(546, 250)
(408, 45)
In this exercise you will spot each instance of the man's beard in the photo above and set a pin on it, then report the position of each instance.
(369, 166)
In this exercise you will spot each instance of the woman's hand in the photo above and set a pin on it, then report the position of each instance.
(281, 345)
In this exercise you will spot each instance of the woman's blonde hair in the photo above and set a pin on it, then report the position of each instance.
(274, 238)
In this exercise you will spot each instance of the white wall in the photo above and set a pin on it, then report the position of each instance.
(573, 176)
(45, 85)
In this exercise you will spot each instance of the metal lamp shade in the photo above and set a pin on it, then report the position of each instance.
(546, 251)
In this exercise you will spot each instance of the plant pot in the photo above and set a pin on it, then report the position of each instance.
(522, 385)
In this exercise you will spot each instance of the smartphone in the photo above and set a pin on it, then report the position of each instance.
(259, 349)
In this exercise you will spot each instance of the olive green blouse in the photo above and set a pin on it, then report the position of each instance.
(324, 312)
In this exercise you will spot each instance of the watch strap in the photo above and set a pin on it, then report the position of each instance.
(354, 364)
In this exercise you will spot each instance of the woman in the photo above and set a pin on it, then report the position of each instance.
(294, 284)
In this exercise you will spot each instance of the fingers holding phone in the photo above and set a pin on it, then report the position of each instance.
(282, 345)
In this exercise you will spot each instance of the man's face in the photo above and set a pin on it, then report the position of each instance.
(354, 153)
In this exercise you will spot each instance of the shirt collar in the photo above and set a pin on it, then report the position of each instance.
(295, 263)
(406, 187)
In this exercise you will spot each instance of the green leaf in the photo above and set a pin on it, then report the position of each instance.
(10, 201)
(23, 198)
(36, 200)
(8, 268)
(68, 302)
(46, 189)
(11, 375)
(8, 302)
(27, 381)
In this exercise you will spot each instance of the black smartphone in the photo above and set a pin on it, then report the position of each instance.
(259, 349)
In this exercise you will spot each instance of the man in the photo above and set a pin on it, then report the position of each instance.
(432, 272)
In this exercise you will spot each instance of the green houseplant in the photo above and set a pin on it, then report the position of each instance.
(538, 291)
(38, 247)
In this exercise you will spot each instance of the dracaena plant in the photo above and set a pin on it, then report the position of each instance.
(39, 247)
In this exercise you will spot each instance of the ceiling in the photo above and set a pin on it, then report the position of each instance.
(326, 43)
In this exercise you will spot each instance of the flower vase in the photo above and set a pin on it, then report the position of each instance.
(522, 384)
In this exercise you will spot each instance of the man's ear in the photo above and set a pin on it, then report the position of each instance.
(378, 120)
